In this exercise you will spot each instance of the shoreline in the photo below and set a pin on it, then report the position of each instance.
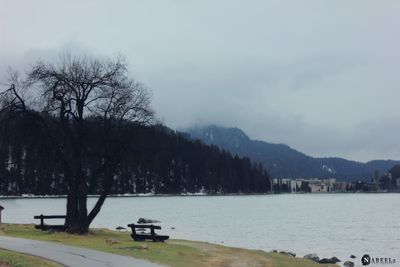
(29, 196)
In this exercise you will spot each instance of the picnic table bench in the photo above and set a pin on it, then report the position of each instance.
(147, 236)
(44, 227)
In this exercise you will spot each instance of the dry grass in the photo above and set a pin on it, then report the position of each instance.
(13, 259)
(177, 253)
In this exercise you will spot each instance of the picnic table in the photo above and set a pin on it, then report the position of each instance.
(146, 236)
(45, 227)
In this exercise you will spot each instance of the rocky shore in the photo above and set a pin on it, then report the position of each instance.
(315, 258)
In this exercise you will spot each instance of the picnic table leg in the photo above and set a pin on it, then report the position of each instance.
(153, 234)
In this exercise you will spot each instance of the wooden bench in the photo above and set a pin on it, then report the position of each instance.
(44, 227)
(147, 236)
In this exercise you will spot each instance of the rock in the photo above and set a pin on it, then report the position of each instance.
(325, 260)
(145, 220)
(312, 257)
(288, 253)
(111, 241)
(332, 260)
(51, 231)
(144, 247)
(352, 256)
(120, 228)
(348, 264)
(173, 228)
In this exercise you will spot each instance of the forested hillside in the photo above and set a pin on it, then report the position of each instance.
(155, 160)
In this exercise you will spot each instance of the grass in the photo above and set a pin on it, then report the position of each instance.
(177, 253)
(12, 259)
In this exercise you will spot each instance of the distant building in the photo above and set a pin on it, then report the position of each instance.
(312, 185)
(371, 187)
(340, 187)
(281, 185)
(329, 183)
(295, 185)
(376, 177)
(398, 182)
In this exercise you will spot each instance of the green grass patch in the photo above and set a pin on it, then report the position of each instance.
(13, 259)
(177, 253)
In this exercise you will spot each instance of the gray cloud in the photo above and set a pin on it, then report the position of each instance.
(320, 76)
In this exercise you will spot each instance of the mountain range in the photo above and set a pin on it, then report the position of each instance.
(282, 161)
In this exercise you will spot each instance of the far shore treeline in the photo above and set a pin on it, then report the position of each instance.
(155, 160)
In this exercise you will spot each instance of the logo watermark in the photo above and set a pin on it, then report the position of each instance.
(367, 260)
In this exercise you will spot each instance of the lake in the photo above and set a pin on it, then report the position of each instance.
(326, 224)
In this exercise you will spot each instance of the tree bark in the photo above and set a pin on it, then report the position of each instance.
(76, 216)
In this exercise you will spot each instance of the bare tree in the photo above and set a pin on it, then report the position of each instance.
(72, 94)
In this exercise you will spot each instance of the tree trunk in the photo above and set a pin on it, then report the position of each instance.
(106, 189)
(76, 216)
(76, 221)
(72, 204)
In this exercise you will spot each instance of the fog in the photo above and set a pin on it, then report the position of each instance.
(320, 76)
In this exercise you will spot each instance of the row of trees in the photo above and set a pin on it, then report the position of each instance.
(155, 160)
(391, 180)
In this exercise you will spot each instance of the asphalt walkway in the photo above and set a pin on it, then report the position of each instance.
(69, 255)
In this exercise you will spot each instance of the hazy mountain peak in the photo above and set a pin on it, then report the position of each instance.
(284, 161)
(213, 134)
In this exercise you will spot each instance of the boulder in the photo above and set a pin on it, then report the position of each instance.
(288, 253)
(352, 256)
(144, 247)
(111, 241)
(325, 260)
(332, 260)
(145, 220)
(312, 257)
(348, 264)
(120, 228)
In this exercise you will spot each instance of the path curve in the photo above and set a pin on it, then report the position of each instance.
(69, 255)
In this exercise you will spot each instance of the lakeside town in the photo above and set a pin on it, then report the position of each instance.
(379, 184)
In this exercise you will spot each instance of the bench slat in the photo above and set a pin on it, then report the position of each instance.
(145, 226)
(142, 237)
(50, 217)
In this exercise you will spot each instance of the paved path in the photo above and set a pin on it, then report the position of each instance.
(69, 255)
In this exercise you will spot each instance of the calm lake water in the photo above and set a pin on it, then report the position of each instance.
(326, 224)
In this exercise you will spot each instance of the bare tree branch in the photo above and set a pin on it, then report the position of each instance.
(72, 92)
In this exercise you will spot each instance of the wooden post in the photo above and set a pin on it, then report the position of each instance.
(1, 208)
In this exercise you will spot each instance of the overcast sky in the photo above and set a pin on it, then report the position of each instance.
(320, 76)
